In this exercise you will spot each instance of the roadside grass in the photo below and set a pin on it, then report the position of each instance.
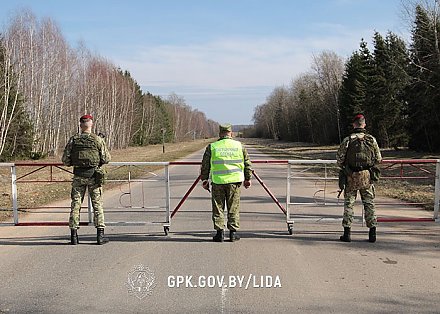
(32, 195)
(419, 191)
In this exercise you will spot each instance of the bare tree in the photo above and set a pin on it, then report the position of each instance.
(329, 69)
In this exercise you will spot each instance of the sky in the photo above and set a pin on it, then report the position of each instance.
(224, 57)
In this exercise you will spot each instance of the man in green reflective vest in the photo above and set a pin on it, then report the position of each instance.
(228, 164)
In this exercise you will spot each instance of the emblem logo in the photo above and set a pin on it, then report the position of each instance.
(141, 281)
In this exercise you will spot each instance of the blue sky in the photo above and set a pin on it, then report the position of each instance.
(225, 56)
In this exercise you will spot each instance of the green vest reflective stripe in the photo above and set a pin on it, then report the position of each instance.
(227, 161)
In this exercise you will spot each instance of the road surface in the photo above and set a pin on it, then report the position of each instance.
(267, 271)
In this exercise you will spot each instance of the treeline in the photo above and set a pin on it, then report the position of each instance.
(306, 110)
(395, 86)
(46, 85)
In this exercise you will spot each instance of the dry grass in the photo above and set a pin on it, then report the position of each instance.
(32, 195)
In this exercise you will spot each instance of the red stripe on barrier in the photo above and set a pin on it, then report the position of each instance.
(185, 196)
(48, 223)
(39, 164)
(383, 219)
(280, 162)
(269, 192)
(185, 162)
(409, 161)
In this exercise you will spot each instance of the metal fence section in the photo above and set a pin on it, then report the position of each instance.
(317, 180)
(144, 175)
(9, 168)
(312, 184)
(122, 175)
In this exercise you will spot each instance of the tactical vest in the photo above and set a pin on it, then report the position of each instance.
(85, 151)
(360, 152)
(227, 163)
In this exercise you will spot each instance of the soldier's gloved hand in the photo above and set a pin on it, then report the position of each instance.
(247, 183)
(205, 185)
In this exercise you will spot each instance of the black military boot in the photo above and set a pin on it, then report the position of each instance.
(100, 239)
(233, 236)
(74, 237)
(346, 237)
(219, 237)
(372, 235)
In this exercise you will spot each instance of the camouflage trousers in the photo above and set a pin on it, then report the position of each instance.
(367, 196)
(229, 195)
(79, 186)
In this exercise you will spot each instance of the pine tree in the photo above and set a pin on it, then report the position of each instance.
(423, 93)
(398, 80)
(388, 81)
(378, 93)
(164, 128)
(353, 93)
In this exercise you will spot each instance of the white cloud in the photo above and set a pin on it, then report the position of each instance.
(233, 74)
(233, 62)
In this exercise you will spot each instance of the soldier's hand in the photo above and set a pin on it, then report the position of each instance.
(205, 185)
(247, 184)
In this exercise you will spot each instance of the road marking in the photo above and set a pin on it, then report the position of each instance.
(224, 290)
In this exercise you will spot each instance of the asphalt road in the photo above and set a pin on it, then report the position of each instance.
(267, 271)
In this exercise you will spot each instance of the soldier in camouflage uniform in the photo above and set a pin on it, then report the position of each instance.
(86, 152)
(357, 155)
(228, 164)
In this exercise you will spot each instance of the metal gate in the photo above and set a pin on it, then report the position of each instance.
(322, 189)
(323, 175)
(128, 174)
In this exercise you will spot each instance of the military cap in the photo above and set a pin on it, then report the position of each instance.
(85, 117)
(358, 117)
(223, 128)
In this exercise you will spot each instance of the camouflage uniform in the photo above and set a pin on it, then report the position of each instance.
(358, 181)
(84, 178)
(225, 194)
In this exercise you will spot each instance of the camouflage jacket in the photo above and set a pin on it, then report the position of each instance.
(342, 151)
(102, 147)
(206, 164)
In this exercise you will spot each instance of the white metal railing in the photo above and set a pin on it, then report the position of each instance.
(292, 177)
(129, 180)
(298, 175)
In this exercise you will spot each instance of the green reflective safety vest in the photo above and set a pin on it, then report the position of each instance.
(227, 161)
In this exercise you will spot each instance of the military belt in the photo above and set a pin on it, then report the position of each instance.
(358, 169)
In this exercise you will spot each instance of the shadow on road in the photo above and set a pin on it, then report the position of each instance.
(389, 239)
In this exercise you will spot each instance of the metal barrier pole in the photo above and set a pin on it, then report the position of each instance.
(437, 190)
(168, 193)
(288, 193)
(325, 184)
(288, 220)
(269, 192)
(14, 193)
(185, 196)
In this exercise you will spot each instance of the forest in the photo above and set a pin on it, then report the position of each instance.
(396, 85)
(46, 85)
